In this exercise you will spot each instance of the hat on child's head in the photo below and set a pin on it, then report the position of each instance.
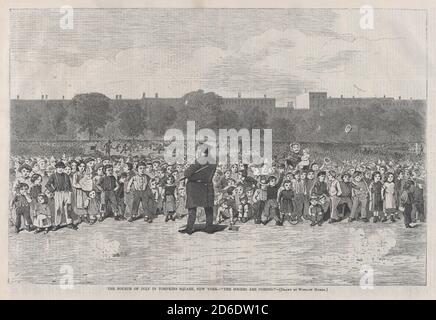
(123, 175)
(419, 181)
(60, 164)
(249, 188)
(243, 172)
(87, 160)
(108, 166)
(24, 166)
(321, 173)
(313, 197)
(272, 178)
(263, 180)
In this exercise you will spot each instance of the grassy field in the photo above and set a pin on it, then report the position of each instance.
(122, 253)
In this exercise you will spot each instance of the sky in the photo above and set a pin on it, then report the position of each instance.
(278, 52)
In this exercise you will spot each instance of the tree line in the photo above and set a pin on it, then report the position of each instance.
(93, 116)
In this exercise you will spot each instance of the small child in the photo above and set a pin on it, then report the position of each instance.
(109, 186)
(20, 204)
(42, 214)
(325, 207)
(154, 203)
(305, 159)
(259, 199)
(36, 188)
(375, 197)
(92, 207)
(359, 197)
(96, 180)
(407, 203)
(119, 194)
(315, 211)
(319, 187)
(181, 201)
(389, 197)
(271, 200)
(244, 209)
(238, 193)
(23, 176)
(286, 204)
(169, 199)
(225, 211)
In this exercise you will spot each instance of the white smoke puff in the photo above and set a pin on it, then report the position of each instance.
(105, 248)
(371, 249)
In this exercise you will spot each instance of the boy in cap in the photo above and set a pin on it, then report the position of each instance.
(24, 171)
(271, 200)
(359, 196)
(315, 211)
(259, 199)
(20, 205)
(225, 211)
(345, 197)
(320, 186)
(109, 186)
(59, 185)
(244, 209)
(140, 188)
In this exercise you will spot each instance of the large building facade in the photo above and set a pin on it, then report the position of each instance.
(320, 100)
(118, 101)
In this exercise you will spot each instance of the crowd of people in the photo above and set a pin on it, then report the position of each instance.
(50, 193)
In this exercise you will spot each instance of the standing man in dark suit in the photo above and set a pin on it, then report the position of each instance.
(200, 193)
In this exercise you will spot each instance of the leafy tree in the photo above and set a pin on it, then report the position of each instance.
(53, 120)
(132, 121)
(159, 117)
(228, 119)
(25, 122)
(283, 129)
(90, 111)
(202, 107)
(256, 119)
